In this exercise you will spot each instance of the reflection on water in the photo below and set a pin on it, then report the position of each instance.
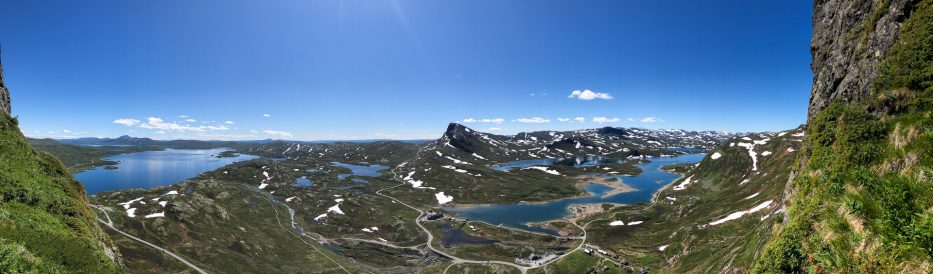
(154, 168)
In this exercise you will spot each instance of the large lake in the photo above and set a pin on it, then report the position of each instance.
(647, 183)
(154, 168)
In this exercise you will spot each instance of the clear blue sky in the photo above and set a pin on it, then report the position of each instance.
(401, 69)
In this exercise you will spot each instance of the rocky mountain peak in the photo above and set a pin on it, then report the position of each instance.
(4, 93)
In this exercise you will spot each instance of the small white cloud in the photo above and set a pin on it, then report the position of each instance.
(266, 115)
(651, 120)
(66, 131)
(228, 122)
(536, 120)
(572, 120)
(630, 120)
(587, 95)
(484, 120)
(277, 133)
(159, 124)
(494, 129)
(160, 132)
(221, 127)
(253, 131)
(183, 116)
(190, 120)
(600, 120)
(126, 122)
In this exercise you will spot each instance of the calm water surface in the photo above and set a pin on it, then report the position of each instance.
(360, 170)
(154, 168)
(518, 215)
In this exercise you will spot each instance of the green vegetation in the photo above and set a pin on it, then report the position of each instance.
(863, 202)
(227, 154)
(79, 158)
(45, 223)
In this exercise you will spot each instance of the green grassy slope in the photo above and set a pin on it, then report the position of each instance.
(45, 223)
(863, 203)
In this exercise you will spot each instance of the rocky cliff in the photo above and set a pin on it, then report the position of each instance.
(850, 38)
(861, 200)
(4, 94)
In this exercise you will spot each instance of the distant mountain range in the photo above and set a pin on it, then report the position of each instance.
(127, 140)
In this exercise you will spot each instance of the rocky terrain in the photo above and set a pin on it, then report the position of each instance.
(5, 106)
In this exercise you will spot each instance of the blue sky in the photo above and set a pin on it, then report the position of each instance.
(325, 70)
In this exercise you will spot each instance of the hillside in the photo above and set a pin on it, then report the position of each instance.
(78, 158)
(45, 223)
(712, 219)
(863, 199)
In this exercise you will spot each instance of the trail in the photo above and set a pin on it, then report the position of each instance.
(457, 260)
(109, 223)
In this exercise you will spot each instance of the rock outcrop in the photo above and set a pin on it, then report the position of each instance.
(850, 38)
(4, 94)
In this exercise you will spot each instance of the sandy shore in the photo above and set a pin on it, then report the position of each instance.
(615, 183)
(577, 212)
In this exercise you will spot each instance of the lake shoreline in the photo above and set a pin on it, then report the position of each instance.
(553, 215)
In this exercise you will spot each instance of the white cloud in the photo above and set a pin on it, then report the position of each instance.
(159, 124)
(630, 120)
(228, 122)
(126, 122)
(66, 131)
(572, 120)
(600, 120)
(253, 131)
(221, 127)
(533, 120)
(589, 95)
(183, 116)
(651, 120)
(485, 120)
(266, 115)
(494, 129)
(277, 133)
(191, 120)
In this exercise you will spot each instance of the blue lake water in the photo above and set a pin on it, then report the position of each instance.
(303, 182)
(518, 215)
(154, 168)
(360, 170)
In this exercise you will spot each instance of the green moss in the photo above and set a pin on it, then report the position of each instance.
(45, 222)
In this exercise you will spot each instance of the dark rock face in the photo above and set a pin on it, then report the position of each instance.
(850, 38)
(462, 138)
(4, 94)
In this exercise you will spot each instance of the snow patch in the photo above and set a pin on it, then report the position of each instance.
(443, 199)
(156, 215)
(739, 214)
(663, 247)
(715, 156)
(683, 184)
(617, 223)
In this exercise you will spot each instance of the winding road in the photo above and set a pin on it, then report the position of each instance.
(109, 223)
(457, 260)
